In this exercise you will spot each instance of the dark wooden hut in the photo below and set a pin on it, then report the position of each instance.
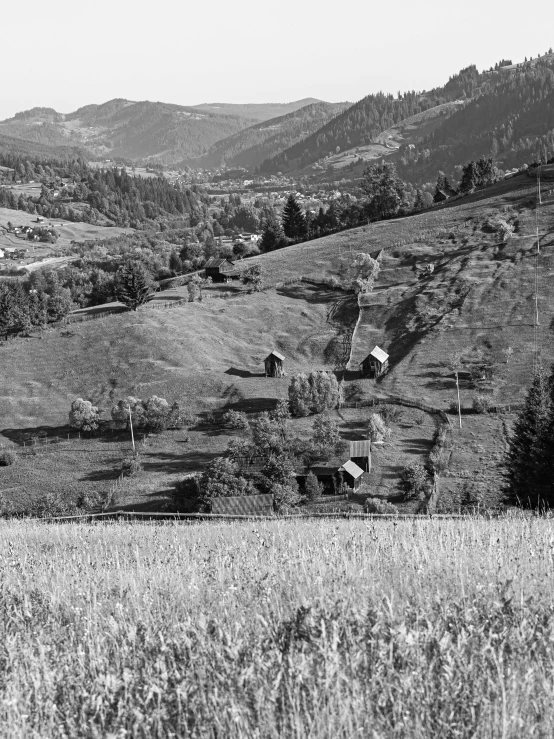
(274, 365)
(375, 364)
(360, 454)
(220, 270)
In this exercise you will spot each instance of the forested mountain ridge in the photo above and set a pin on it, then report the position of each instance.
(250, 147)
(134, 130)
(257, 111)
(502, 112)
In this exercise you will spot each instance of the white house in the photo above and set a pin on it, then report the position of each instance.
(1, 254)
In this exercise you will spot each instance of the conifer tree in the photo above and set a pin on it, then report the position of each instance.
(294, 221)
(134, 285)
(525, 458)
(273, 236)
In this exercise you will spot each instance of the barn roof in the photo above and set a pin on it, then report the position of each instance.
(379, 355)
(352, 469)
(244, 505)
(217, 262)
(276, 354)
(361, 448)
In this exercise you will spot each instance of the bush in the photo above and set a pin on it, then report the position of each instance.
(377, 428)
(481, 404)
(236, 420)
(313, 488)
(375, 505)
(90, 501)
(131, 466)
(313, 393)
(83, 416)
(185, 497)
(7, 457)
(415, 481)
(390, 414)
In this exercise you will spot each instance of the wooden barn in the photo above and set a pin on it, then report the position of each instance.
(220, 270)
(244, 505)
(360, 454)
(375, 364)
(327, 475)
(351, 474)
(274, 365)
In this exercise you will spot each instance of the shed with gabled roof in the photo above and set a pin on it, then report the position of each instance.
(351, 474)
(360, 454)
(376, 363)
(274, 364)
(220, 270)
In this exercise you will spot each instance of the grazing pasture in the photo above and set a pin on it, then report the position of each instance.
(417, 629)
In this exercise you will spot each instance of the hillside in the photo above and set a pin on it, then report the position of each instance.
(478, 300)
(249, 148)
(506, 112)
(131, 130)
(39, 150)
(256, 111)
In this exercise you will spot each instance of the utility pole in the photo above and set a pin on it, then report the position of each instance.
(459, 406)
(131, 425)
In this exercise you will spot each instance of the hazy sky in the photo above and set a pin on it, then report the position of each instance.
(67, 54)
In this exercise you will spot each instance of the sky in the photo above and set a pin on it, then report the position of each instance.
(66, 54)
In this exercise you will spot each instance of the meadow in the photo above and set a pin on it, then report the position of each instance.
(415, 628)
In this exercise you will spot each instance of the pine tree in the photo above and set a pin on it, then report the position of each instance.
(134, 285)
(524, 462)
(294, 221)
(273, 236)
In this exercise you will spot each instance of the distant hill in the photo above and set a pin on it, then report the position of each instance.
(506, 112)
(250, 147)
(132, 130)
(257, 111)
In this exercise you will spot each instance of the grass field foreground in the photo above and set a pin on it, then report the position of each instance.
(422, 628)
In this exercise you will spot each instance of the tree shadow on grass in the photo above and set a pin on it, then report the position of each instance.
(236, 372)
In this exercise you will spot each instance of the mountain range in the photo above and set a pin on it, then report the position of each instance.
(506, 112)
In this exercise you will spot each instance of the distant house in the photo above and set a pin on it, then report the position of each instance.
(244, 505)
(274, 364)
(375, 364)
(442, 195)
(351, 474)
(360, 454)
(220, 270)
(1, 254)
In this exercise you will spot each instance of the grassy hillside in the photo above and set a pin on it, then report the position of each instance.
(478, 301)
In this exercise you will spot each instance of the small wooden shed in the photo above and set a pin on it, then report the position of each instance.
(375, 364)
(220, 270)
(351, 474)
(274, 365)
(360, 454)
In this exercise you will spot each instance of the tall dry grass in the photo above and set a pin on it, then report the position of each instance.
(414, 629)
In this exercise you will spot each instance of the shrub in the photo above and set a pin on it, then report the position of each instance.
(353, 392)
(313, 488)
(90, 501)
(313, 393)
(83, 416)
(236, 420)
(185, 497)
(419, 418)
(131, 466)
(7, 457)
(415, 481)
(481, 404)
(375, 505)
(390, 414)
(377, 428)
